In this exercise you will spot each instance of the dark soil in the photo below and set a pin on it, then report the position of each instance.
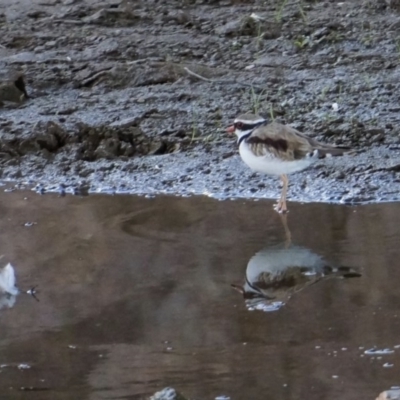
(114, 103)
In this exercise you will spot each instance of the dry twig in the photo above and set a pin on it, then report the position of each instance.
(220, 81)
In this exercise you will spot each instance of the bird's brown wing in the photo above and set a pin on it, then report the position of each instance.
(287, 143)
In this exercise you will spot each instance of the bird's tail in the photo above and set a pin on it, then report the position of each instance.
(342, 271)
(333, 151)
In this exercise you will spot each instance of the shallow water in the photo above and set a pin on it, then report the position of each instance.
(135, 294)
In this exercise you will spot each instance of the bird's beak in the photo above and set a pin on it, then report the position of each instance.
(239, 288)
(230, 129)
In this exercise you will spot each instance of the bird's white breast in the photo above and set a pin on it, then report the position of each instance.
(275, 260)
(269, 164)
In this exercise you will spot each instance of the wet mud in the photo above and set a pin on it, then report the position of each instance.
(135, 294)
(133, 97)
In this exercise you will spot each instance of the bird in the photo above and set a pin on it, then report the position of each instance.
(276, 272)
(276, 149)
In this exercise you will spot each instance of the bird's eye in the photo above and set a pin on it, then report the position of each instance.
(238, 125)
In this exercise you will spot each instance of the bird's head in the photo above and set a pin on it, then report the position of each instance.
(245, 124)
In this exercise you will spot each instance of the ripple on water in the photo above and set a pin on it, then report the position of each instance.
(375, 351)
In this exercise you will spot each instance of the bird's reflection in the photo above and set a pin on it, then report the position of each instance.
(276, 272)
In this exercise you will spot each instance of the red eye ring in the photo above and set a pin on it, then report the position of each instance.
(239, 125)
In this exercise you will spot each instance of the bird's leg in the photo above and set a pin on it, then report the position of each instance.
(281, 205)
(288, 234)
(285, 181)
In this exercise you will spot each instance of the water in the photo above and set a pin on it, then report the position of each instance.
(135, 294)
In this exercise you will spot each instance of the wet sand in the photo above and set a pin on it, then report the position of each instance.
(112, 105)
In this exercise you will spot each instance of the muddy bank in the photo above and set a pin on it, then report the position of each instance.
(115, 104)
